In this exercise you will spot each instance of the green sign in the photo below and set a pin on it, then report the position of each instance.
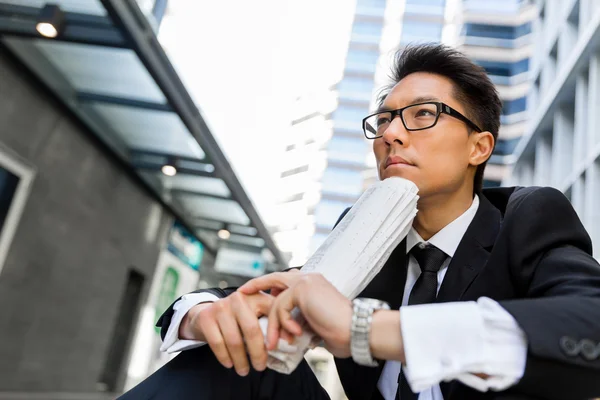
(167, 292)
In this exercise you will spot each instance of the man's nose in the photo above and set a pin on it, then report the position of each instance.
(396, 132)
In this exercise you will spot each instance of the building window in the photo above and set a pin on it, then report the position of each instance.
(432, 3)
(351, 115)
(15, 184)
(514, 106)
(500, 7)
(294, 171)
(372, 3)
(420, 31)
(328, 212)
(367, 28)
(504, 68)
(497, 31)
(341, 181)
(347, 149)
(362, 59)
(356, 85)
(506, 146)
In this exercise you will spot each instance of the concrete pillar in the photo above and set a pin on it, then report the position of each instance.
(543, 160)
(581, 111)
(593, 120)
(562, 149)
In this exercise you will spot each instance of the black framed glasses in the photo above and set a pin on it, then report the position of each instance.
(415, 117)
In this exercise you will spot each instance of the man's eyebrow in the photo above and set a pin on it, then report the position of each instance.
(416, 100)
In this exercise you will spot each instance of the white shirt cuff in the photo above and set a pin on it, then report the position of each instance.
(448, 341)
(171, 342)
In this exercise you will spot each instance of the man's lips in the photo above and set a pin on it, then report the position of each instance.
(394, 160)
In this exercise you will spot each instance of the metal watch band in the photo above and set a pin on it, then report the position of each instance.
(362, 318)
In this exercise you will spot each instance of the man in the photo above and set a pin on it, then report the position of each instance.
(500, 294)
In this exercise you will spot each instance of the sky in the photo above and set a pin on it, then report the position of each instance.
(244, 62)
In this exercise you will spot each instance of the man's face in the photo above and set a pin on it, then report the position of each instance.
(436, 159)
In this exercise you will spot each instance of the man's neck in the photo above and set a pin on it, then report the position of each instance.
(437, 212)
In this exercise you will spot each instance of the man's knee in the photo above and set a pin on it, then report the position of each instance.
(197, 374)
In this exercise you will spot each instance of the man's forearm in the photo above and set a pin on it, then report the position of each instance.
(386, 336)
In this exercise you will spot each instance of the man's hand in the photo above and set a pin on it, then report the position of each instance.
(326, 310)
(230, 327)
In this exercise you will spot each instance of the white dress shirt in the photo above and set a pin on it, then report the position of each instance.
(442, 342)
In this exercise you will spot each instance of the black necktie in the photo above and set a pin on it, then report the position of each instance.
(430, 259)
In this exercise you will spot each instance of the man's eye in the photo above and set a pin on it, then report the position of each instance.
(424, 113)
(382, 121)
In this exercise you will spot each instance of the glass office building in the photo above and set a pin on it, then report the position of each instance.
(561, 142)
(495, 34)
(498, 36)
(378, 28)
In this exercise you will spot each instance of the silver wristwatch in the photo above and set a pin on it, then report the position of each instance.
(361, 329)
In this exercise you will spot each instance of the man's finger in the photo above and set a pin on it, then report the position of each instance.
(277, 280)
(253, 336)
(280, 312)
(234, 342)
(273, 328)
(261, 303)
(216, 342)
(288, 337)
(284, 309)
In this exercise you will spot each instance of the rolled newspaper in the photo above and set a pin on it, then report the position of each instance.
(353, 253)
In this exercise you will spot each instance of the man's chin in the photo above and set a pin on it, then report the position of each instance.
(396, 173)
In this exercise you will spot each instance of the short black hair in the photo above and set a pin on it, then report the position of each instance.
(473, 87)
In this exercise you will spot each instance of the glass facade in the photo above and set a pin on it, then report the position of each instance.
(370, 28)
(505, 147)
(514, 106)
(507, 69)
(497, 31)
(342, 181)
(362, 60)
(328, 213)
(425, 7)
(379, 4)
(354, 84)
(345, 149)
(414, 31)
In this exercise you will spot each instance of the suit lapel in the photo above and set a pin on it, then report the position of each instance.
(469, 259)
(472, 252)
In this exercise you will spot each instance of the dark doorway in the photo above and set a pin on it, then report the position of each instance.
(122, 332)
(8, 187)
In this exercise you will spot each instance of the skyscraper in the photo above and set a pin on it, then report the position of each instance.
(561, 143)
(378, 28)
(496, 34)
(301, 166)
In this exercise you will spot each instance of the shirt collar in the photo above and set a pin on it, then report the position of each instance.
(450, 236)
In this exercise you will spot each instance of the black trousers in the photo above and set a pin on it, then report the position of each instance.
(196, 374)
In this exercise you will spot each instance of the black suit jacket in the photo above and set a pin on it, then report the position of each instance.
(527, 249)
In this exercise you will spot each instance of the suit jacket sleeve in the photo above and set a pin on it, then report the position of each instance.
(165, 319)
(550, 256)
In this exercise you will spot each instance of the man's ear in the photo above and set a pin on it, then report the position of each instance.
(482, 145)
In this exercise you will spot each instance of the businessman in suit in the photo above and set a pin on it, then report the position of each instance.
(494, 293)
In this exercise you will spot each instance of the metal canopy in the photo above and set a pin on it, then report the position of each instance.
(108, 67)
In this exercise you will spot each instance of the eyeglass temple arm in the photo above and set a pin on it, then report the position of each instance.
(446, 109)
